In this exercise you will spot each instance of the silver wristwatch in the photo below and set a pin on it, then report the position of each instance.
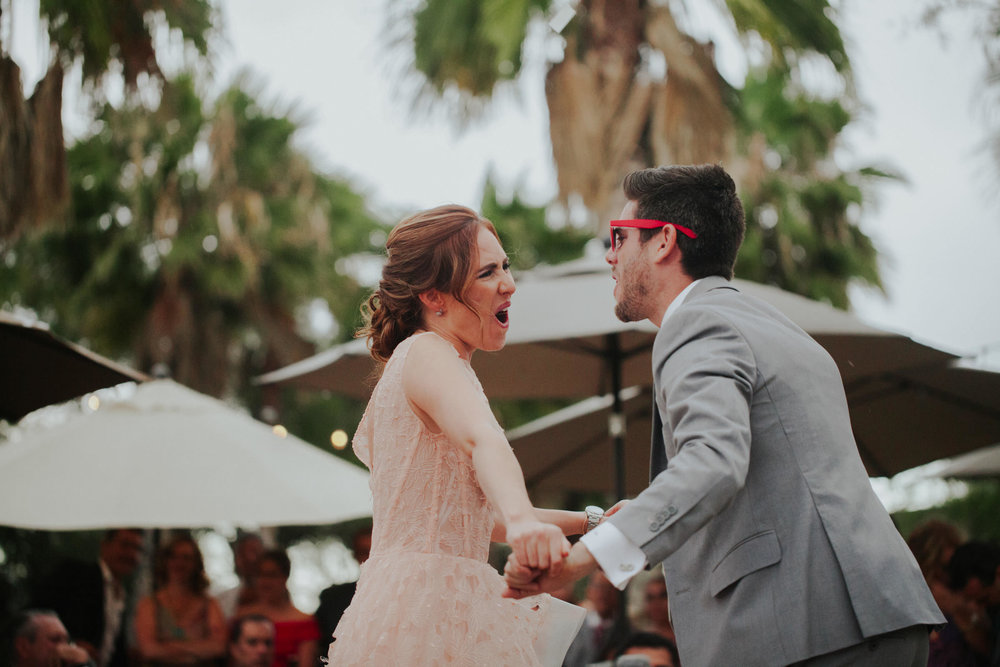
(594, 516)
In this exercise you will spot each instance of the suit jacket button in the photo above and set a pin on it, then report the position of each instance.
(654, 526)
(671, 510)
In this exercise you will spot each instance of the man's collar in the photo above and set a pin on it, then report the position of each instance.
(678, 301)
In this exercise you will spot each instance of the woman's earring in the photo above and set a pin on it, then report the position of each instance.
(439, 313)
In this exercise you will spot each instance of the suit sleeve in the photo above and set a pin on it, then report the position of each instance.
(704, 375)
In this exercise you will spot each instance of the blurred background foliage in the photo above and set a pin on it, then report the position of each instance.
(184, 233)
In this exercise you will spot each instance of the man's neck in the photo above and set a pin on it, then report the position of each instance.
(668, 290)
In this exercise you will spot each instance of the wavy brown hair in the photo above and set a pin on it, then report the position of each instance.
(434, 249)
(198, 581)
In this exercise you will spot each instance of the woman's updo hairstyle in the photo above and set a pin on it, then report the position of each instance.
(433, 249)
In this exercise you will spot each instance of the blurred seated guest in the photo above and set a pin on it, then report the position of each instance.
(974, 575)
(655, 610)
(251, 641)
(180, 624)
(932, 543)
(91, 597)
(604, 627)
(296, 634)
(647, 649)
(336, 598)
(40, 640)
(246, 551)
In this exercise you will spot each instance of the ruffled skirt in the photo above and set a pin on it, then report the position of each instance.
(432, 609)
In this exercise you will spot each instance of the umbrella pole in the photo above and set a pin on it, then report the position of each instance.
(616, 420)
(616, 428)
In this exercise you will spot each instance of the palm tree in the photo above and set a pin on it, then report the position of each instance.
(987, 21)
(99, 36)
(196, 240)
(801, 211)
(631, 88)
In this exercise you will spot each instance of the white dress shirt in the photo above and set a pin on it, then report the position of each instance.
(114, 607)
(618, 557)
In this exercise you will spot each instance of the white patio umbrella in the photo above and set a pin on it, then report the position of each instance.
(170, 457)
(565, 342)
(981, 463)
(928, 414)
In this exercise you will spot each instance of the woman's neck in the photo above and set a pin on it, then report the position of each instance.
(464, 351)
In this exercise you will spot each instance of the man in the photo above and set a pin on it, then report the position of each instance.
(655, 651)
(599, 634)
(334, 600)
(41, 640)
(973, 633)
(775, 550)
(247, 550)
(251, 641)
(90, 597)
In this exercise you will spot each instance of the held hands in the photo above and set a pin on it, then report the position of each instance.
(539, 545)
(523, 580)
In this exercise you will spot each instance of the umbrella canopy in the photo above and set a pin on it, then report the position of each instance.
(38, 368)
(170, 457)
(921, 416)
(984, 462)
(565, 342)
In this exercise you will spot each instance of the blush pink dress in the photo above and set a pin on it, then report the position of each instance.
(426, 595)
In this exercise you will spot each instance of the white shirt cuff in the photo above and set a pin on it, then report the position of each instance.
(618, 557)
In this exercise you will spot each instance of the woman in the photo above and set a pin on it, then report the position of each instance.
(444, 479)
(296, 634)
(179, 624)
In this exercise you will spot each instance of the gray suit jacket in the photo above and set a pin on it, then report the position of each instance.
(774, 546)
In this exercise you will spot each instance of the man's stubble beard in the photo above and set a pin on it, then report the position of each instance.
(630, 308)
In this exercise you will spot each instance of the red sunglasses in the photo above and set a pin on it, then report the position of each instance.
(645, 223)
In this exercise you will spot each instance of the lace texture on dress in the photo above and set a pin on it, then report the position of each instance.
(427, 596)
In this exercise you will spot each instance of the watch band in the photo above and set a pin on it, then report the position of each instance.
(594, 516)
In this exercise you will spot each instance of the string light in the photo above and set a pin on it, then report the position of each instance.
(338, 439)
(280, 430)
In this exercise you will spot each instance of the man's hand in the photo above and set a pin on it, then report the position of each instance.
(72, 654)
(524, 580)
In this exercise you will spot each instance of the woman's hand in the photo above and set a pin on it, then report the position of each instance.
(614, 508)
(537, 545)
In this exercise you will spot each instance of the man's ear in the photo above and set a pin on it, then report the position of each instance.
(665, 243)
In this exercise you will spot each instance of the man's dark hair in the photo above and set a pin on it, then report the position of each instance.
(23, 625)
(111, 533)
(700, 197)
(648, 640)
(236, 627)
(974, 559)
